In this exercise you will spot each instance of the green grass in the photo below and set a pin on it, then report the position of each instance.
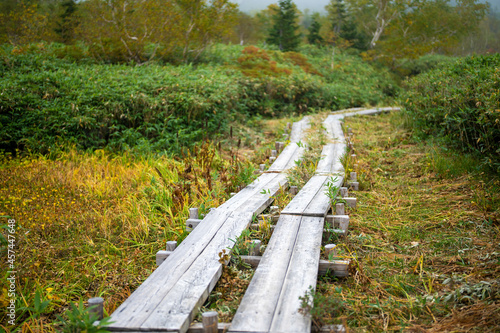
(89, 224)
(425, 215)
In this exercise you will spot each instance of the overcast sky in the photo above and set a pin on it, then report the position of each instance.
(251, 5)
(312, 5)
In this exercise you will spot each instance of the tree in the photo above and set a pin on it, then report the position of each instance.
(314, 36)
(429, 27)
(23, 22)
(345, 30)
(284, 31)
(139, 31)
(67, 21)
(245, 29)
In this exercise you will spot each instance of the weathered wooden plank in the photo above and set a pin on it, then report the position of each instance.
(340, 150)
(137, 308)
(255, 187)
(259, 302)
(198, 328)
(260, 197)
(180, 305)
(320, 204)
(328, 156)
(301, 275)
(367, 112)
(298, 129)
(283, 160)
(339, 268)
(307, 194)
(293, 151)
(334, 129)
(297, 155)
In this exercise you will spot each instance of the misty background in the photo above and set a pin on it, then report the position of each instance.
(313, 5)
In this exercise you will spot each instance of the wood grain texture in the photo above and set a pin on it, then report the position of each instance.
(298, 129)
(302, 200)
(284, 158)
(255, 187)
(258, 305)
(180, 305)
(327, 160)
(338, 268)
(137, 308)
(320, 204)
(301, 275)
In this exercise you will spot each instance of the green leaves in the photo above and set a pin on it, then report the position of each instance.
(459, 103)
(48, 104)
(284, 31)
(332, 190)
(79, 319)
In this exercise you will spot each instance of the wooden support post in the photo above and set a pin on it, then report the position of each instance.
(171, 245)
(191, 224)
(161, 256)
(344, 192)
(338, 221)
(330, 251)
(351, 202)
(354, 186)
(262, 167)
(210, 322)
(96, 306)
(294, 190)
(274, 209)
(343, 222)
(232, 194)
(272, 159)
(274, 153)
(340, 209)
(193, 213)
(277, 146)
(255, 247)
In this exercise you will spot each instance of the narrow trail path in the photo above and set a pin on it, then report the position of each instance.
(171, 297)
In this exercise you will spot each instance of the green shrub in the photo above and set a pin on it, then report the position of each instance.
(47, 102)
(52, 96)
(413, 67)
(460, 103)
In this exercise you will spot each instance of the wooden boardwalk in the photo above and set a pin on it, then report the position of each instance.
(170, 298)
(289, 266)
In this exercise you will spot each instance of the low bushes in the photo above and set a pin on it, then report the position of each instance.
(48, 101)
(461, 104)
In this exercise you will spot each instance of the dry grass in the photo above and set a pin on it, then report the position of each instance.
(89, 224)
(422, 240)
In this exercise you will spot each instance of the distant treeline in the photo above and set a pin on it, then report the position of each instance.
(178, 31)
